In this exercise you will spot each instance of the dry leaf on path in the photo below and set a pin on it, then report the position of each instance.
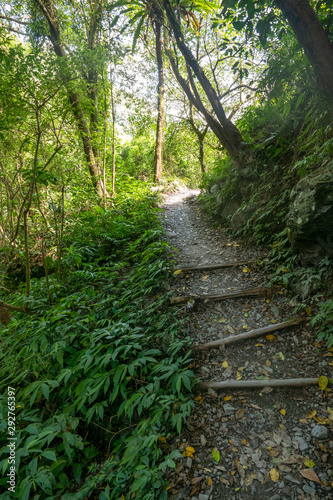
(176, 273)
(239, 414)
(310, 474)
(209, 481)
(190, 449)
(283, 412)
(323, 382)
(311, 414)
(274, 475)
(225, 364)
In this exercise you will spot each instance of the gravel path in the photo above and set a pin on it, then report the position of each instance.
(268, 444)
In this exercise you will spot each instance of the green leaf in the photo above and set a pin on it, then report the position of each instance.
(137, 33)
(216, 455)
(50, 455)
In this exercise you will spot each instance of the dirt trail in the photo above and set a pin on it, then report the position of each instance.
(266, 438)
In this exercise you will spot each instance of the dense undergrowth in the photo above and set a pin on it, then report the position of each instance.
(100, 374)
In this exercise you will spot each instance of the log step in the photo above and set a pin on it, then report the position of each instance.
(247, 292)
(222, 265)
(255, 384)
(248, 335)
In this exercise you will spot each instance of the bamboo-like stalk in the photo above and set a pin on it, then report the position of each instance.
(248, 335)
(222, 265)
(256, 384)
(247, 292)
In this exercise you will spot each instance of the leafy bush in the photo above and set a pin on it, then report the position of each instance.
(100, 373)
(324, 320)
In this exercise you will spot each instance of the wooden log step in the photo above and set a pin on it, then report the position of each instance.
(255, 384)
(248, 335)
(247, 292)
(222, 265)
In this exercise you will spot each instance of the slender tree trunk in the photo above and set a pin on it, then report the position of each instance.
(27, 257)
(158, 160)
(113, 112)
(313, 39)
(202, 154)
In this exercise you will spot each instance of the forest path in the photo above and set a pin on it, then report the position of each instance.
(265, 437)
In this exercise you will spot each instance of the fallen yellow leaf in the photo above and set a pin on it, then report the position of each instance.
(209, 481)
(246, 270)
(274, 475)
(260, 345)
(176, 273)
(322, 421)
(190, 449)
(308, 311)
(323, 382)
(225, 364)
(283, 412)
(270, 337)
(245, 327)
(244, 441)
(311, 414)
(227, 398)
(302, 420)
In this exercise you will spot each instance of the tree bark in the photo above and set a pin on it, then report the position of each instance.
(158, 160)
(201, 134)
(313, 39)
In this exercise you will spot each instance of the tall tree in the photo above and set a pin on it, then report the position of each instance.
(158, 160)
(313, 38)
(227, 133)
(88, 123)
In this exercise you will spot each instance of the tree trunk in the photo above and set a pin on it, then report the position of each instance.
(113, 112)
(313, 39)
(227, 133)
(158, 160)
(47, 9)
(202, 154)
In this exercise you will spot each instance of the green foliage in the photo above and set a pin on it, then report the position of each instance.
(324, 321)
(100, 371)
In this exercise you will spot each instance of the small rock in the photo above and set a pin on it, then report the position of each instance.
(290, 478)
(202, 496)
(319, 432)
(228, 409)
(308, 489)
(303, 445)
(203, 440)
(189, 462)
